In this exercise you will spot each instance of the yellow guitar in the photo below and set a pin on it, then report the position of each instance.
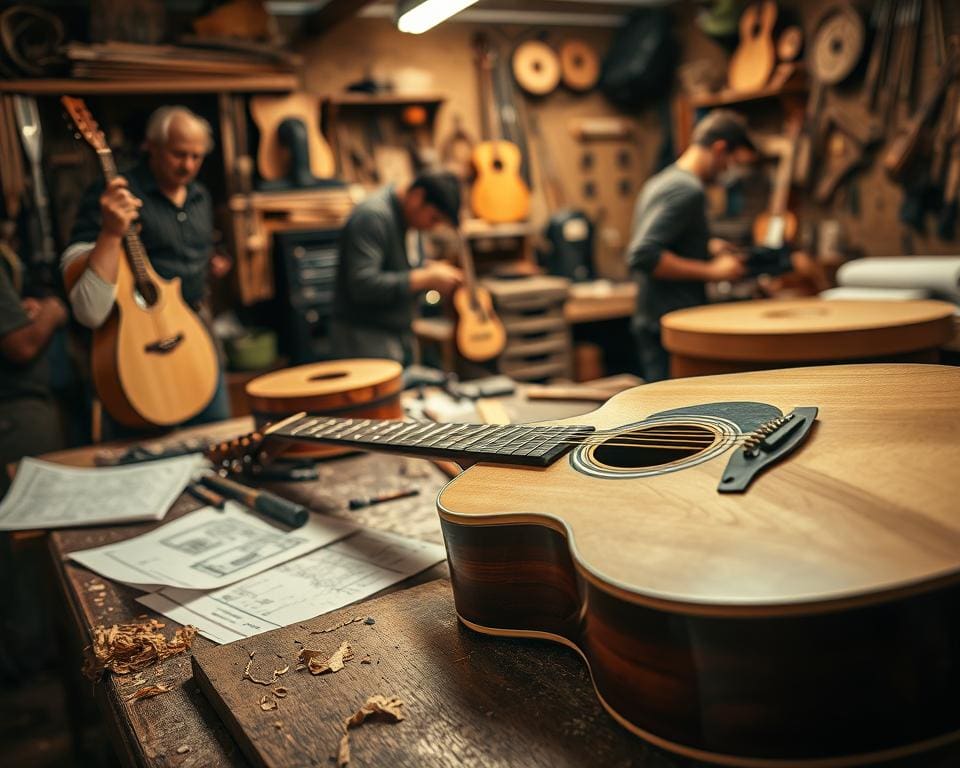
(498, 194)
(480, 334)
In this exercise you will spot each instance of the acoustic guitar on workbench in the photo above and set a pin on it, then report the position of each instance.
(760, 569)
(153, 361)
(498, 194)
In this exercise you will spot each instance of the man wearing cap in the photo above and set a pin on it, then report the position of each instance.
(376, 278)
(671, 253)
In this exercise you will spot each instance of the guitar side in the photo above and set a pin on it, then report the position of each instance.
(499, 194)
(480, 334)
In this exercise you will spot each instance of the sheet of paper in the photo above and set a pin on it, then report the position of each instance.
(208, 549)
(300, 589)
(47, 495)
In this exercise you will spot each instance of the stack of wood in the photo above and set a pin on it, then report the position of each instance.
(132, 61)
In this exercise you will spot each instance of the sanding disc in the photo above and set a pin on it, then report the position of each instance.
(837, 46)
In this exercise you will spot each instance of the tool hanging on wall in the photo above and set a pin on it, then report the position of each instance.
(43, 261)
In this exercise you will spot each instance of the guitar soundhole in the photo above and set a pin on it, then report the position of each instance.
(497, 164)
(654, 446)
(145, 295)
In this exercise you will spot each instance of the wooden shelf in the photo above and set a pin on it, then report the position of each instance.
(796, 85)
(251, 84)
(477, 228)
(384, 100)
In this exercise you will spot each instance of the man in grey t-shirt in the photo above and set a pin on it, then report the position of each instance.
(671, 253)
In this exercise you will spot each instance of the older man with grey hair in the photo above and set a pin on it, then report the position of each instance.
(175, 215)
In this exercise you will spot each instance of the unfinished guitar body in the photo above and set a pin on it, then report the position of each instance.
(753, 62)
(812, 620)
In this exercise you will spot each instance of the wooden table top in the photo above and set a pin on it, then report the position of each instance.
(807, 329)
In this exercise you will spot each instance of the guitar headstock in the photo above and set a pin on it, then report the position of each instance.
(248, 454)
(83, 122)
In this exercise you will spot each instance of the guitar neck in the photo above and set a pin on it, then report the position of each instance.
(136, 253)
(536, 446)
(466, 263)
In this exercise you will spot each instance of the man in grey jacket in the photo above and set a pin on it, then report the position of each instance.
(377, 279)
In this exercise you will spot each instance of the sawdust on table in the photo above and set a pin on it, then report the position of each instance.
(126, 648)
(148, 691)
(276, 673)
(377, 706)
(318, 663)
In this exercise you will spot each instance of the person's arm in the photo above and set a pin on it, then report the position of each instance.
(725, 266)
(21, 346)
(649, 250)
(98, 237)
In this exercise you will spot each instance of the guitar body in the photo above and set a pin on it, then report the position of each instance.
(754, 60)
(480, 334)
(769, 227)
(812, 620)
(499, 194)
(273, 159)
(138, 383)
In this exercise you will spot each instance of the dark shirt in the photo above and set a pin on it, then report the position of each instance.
(17, 381)
(373, 272)
(178, 241)
(670, 215)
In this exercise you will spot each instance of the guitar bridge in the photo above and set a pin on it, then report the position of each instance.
(765, 446)
(163, 346)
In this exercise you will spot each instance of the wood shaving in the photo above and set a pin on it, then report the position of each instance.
(96, 587)
(379, 707)
(366, 660)
(280, 693)
(266, 703)
(337, 626)
(126, 648)
(276, 673)
(183, 750)
(148, 691)
(318, 665)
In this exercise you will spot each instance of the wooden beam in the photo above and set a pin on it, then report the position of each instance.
(334, 12)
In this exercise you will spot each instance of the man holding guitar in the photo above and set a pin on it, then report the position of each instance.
(377, 279)
(175, 215)
(671, 253)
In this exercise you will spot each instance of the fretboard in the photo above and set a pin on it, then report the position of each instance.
(511, 444)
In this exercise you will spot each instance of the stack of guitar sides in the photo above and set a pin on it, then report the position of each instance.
(538, 336)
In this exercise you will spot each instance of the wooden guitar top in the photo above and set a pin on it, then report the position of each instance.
(807, 329)
(866, 508)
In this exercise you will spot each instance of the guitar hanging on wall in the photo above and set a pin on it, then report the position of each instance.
(751, 582)
(498, 194)
(480, 334)
(153, 361)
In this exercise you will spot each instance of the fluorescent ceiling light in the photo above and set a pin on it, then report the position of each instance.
(416, 16)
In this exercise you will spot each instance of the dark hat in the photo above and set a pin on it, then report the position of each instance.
(722, 125)
(441, 189)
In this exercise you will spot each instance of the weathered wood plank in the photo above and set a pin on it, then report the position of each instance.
(470, 700)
